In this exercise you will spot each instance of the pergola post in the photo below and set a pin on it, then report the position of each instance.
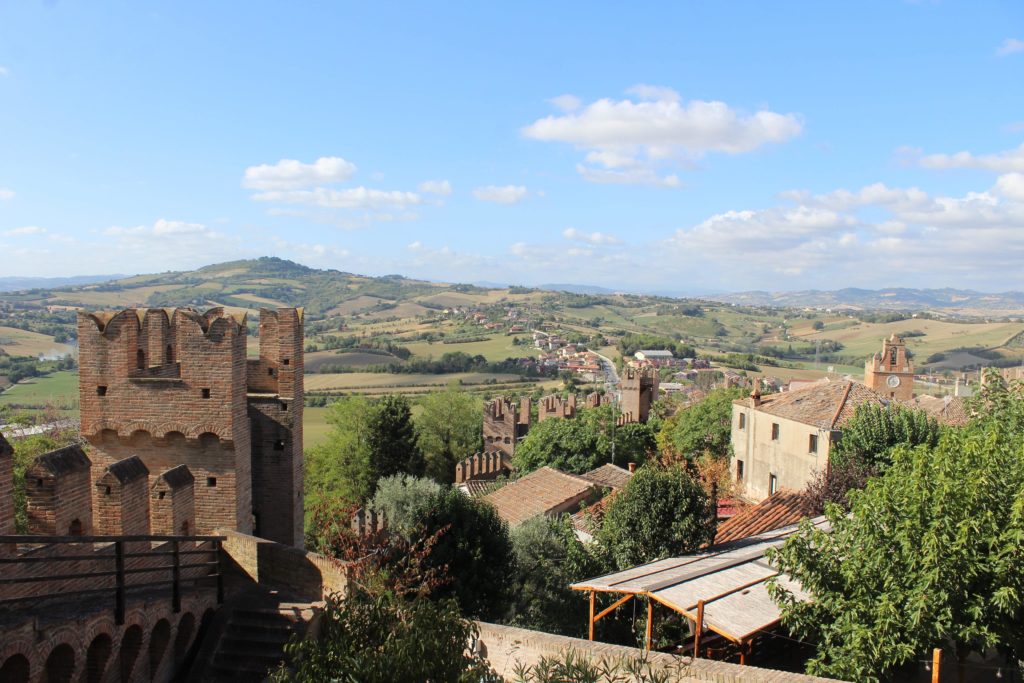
(700, 627)
(593, 595)
(650, 624)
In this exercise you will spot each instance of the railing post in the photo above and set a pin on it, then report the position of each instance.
(175, 578)
(220, 571)
(119, 605)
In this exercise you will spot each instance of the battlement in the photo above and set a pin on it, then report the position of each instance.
(175, 387)
(639, 388)
(504, 425)
(483, 466)
(554, 406)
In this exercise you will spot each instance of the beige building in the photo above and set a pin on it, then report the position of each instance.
(890, 372)
(780, 440)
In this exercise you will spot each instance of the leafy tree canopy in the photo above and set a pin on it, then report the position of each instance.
(391, 440)
(340, 467)
(583, 443)
(448, 430)
(705, 427)
(661, 512)
(929, 554)
(404, 500)
(869, 437)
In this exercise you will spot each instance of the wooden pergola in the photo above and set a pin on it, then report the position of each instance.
(722, 590)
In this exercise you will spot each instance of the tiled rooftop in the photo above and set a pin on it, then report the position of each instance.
(609, 476)
(826, 406)
(948, 411)
(781, 509)
(539, 492)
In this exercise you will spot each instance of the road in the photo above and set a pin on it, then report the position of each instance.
(611, 381)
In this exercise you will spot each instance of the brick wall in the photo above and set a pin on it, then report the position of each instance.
(58, 493)
(307, 576)
(639, 390)
(6, 488)
(172, 507)
(122, 499)
(505, 646)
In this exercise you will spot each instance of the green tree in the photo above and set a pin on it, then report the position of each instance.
(404, 501)
(705, 427)
(473, 549)
(339, 469)
(26, 450)
(391, 440)
(583, 443)
(929, 554)
(661, 512)
(448, 430)
(548, 559)
(869, 437)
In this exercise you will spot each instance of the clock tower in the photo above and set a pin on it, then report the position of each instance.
(890, 372)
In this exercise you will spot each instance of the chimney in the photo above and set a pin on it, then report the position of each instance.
(755, 395)
(632, 467)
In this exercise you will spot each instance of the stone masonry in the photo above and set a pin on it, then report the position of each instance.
(6, 488)
(57, 489)
(172, 505)
(122, 499)
(504, 426)
(175, 387)
(639, 391)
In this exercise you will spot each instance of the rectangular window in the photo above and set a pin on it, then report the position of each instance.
(211, 481)
(206, 393)
(739, 470)
(812, 444)
(773, 484)
(775, 431)
(101, 391)
(286, 361)
(743, 421)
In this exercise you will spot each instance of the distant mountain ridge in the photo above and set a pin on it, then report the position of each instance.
(894, 299)
(17, 284)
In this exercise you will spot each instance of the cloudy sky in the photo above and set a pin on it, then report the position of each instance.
(691, 147)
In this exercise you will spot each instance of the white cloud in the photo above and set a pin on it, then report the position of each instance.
(1010, 46)
(1011, 186)
(656, 127)
(289, 174)
(4, 71)
(505, 194)
(438, 187)
(6, 194)
(631, 176)
(594, 238)
(566, 102)
(1000, 162)
(24, 231)
(348, 198)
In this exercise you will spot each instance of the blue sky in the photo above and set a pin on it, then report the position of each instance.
(678, 147)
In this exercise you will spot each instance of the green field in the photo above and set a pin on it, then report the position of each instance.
(59, 389)
(24, 343)
(314, 426)
(497, 348)
(363, 381)
(866, 338)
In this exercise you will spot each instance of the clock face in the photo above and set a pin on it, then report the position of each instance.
(893, 381)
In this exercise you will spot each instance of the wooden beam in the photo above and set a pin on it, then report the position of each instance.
(592, 596)
(700, 627)
(615, 605)
(936, 664)
(650, 624)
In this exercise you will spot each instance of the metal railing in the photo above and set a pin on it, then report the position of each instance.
(114, 561)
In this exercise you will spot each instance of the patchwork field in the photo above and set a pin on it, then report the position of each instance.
(866, 338)
(498, 347)
(59, 389)
(121, 298)
(356, 359)
(363, 381)
(24, 343)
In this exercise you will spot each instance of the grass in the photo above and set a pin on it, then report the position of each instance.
(497, 348)
(351, 381)
(314, 426)
(132, 296)
(865, 339)
(24, 343)
(59, 388)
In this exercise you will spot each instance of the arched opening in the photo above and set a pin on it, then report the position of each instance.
(185, 528)
(186, 628)
(208, 440)
(158, 641)
(140, 437)
(169, 356)
(189, 656)
(140, 359)
(97, 657)
(75, 528)
(131, 644)
(15, 669)
(60, 665)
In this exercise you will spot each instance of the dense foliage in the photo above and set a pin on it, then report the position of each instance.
(583, 443)
(572, 667)
(403, 500)
(661, 512)
(391, 439)
(629, 344)
(704, 427)
(340, 467)
(869, 437)
(929, 554)
(548, 559)
(448, 430)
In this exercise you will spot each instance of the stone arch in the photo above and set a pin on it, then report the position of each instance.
(75, 528)
(60, 665)
(197, 430)
(97, 657)
(131, 646)
(158, 641)
(161, 431)
(183, 638)
(133, 428)
(16, 669)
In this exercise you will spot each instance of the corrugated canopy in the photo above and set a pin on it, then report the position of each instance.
(729, 578)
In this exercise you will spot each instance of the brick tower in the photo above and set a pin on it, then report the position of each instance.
(174, 387)
(639, 391)
(891, 373)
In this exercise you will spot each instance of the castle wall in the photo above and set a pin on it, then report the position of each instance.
(122, 499)
(6, 489)
(172, 506)
(639, 391)
(504, 425)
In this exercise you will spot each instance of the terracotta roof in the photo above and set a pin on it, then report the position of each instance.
(477, 487)
(589, 518)
(781, 509)
(826, 406)
(948, 411)
(610, 476)
(538, 493)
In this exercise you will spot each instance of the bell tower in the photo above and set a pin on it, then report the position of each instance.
(891, 373)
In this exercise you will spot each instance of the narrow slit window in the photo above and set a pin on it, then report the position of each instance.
(206, 393)
(286, 361)
(101, 390)
(211, 481)
(775, 431)
(279, 445)
(812, 444)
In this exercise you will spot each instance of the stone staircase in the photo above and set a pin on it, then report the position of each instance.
(251, 643)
